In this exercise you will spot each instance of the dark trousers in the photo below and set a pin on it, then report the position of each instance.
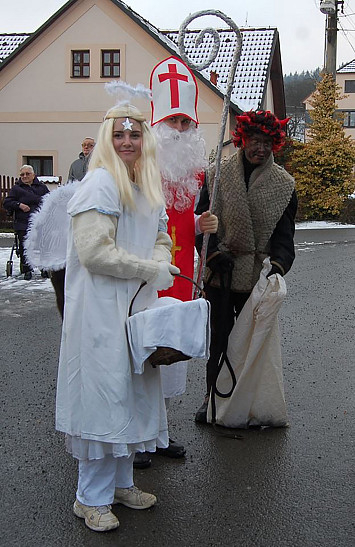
(224, 312)
(25, 267)
(58, 279)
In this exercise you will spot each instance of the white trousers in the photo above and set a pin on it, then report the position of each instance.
(99, 478)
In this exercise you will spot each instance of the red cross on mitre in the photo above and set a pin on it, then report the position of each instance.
(174, 91)
(174, 78)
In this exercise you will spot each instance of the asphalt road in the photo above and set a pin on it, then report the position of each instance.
(275, 488)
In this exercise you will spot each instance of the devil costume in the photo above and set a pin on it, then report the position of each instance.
(256, 208)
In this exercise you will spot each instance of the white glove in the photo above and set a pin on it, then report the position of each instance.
(164, 279)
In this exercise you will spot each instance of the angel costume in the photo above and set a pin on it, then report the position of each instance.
(102, 406)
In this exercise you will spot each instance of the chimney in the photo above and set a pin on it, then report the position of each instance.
(213, 77)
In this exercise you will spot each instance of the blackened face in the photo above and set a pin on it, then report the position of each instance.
(258, 148)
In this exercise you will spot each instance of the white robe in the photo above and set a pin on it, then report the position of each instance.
(102, 406)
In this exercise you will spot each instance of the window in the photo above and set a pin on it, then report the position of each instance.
(42, 165)
(94, 62)
(349, 86)
(81, 64)
(110, 63)
(307, 118)
(349, 118)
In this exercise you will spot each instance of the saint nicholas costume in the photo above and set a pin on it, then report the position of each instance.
(175, 93)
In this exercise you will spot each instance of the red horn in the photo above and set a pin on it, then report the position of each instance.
(284, 122)
(243, 118)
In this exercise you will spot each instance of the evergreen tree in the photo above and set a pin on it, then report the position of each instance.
(297, 88)
(323, 166)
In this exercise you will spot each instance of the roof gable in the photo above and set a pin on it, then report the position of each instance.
(146, 25)
(253, 70)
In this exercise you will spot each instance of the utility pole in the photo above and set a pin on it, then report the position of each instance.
(330, 54)
(330, 9)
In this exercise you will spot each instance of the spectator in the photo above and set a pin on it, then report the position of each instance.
(77, 171)
(23, 199)
(79, 167)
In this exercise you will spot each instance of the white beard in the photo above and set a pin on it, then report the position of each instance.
(181, 157)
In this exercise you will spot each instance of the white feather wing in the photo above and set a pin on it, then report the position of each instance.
(46, 241)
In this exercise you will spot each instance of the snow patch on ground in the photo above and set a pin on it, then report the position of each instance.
(16, 281)
(321, 225)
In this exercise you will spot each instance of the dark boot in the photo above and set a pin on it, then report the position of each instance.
(142, 460)
(201, 414)
(174, 450)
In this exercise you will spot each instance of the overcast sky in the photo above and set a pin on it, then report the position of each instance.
(300, 23)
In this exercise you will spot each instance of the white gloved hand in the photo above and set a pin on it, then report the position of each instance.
(164, 279)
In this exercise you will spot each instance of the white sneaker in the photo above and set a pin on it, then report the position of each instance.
(134, 498)
(99, 519)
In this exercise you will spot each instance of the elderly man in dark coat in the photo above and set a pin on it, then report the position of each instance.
(23, 199)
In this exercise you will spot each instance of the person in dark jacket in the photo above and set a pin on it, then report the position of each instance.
(23, 199)
(256, 207)
(78, 168)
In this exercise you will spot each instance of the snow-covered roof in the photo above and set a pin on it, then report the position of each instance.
(10, 42)
(253, 67)
(252, 71)
(349, 67)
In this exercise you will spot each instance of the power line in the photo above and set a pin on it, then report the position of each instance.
(345, 31)
(346, 37)
(349, 20)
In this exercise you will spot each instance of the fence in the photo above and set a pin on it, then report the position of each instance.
(6, 183)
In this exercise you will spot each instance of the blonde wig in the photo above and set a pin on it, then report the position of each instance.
(147, 174)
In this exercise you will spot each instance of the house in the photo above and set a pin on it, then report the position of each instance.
(345, 79)
(52, 81)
